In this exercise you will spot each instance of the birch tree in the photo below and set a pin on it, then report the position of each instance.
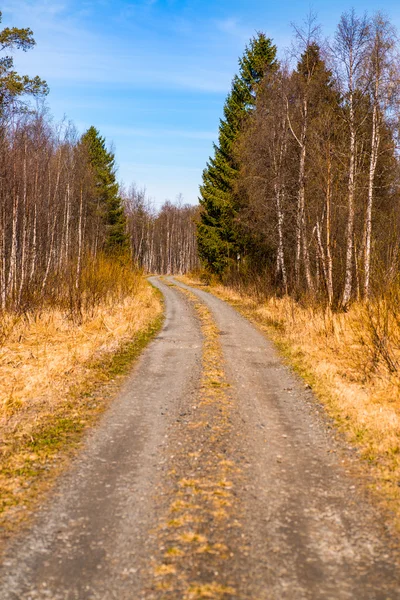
(350, 47)
(382, 77)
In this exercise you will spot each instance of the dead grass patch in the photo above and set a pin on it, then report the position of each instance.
(55, 378)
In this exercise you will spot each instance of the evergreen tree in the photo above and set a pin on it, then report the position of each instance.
(13, 86)
(106, 192)
(217, 235)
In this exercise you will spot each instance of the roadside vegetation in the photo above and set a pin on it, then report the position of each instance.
(299, 224)
(75, 308)
(56, 377)
(351, 362)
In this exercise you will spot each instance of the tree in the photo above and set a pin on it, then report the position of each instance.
(106, 192)
(13, 87)
(350, 48)
(314, 193)
(383, 81)
(217, 237)
(315, 97)
(162, 241)
(263, 181)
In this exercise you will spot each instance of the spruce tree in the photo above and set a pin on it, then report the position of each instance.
(106, 191)
(217, 236)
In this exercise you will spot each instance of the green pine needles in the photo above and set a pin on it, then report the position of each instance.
(106, 193)
(218, 238)
(14, 87)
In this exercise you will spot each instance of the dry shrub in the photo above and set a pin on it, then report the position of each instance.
(381, 334)
(205, 277)
(45, 351)
(103, 281)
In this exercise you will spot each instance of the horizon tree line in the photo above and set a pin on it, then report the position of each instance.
(61, 207)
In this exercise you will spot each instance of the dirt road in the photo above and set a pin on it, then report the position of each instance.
(213, 475)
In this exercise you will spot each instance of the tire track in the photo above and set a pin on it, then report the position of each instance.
(90, 538)
(311, 528)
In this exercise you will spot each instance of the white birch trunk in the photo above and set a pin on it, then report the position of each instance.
(375, 139)
(80, 238)
(13, 256)
(348, 284)
(329, 267)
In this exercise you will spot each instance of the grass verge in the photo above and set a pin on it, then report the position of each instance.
(335, 355)
(57, 377)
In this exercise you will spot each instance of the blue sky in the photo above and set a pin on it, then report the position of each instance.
(152, 75)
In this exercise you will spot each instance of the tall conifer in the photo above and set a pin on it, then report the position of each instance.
(217, 238)
(107, 196)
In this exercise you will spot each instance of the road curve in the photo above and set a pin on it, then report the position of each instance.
(88, 541)
(304, 528)
(313, 534)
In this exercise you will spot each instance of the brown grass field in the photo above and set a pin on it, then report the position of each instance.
(56, 377)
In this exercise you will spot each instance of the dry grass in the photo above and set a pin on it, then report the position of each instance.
(350, 360)
(53, 373)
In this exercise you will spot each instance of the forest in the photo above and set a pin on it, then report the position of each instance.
(301, 196)
(297, 226)
(302, 193)
(200, 399)
(63, 214)
(68, 233)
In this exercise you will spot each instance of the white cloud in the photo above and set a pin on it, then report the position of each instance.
(129, 70)
(47, 19)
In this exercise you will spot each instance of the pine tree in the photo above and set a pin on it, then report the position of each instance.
(106, 192)
(13, 87)
(217, 235)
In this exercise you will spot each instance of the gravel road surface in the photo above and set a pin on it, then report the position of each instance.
(265, 503)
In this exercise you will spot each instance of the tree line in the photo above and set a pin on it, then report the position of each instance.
(60, 210)
(162, 241)
(60, 207)
(62, 213)
(303, 187)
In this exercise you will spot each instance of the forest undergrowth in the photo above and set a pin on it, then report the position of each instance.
(58, 370)
(352, 362)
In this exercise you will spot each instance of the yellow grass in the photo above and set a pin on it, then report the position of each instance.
(336, 354)
(53, 376)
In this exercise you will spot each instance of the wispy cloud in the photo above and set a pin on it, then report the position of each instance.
(150, 75)
(232, 26)
(48, 19)
(112, 130)
(70, 50)
(83, 66)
